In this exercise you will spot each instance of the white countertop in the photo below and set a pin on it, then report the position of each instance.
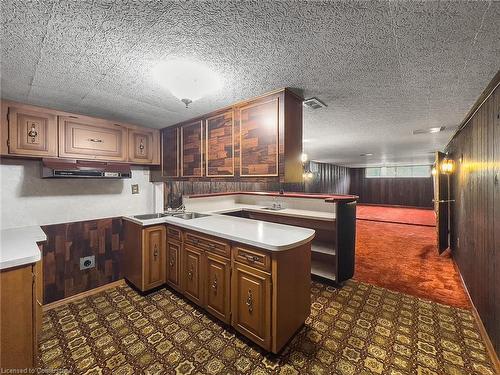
(265, 235)
(291, 212)
(18, 246)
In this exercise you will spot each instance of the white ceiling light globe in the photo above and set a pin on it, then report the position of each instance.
(187, 79)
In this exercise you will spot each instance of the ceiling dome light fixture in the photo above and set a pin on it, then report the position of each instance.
(187, 80)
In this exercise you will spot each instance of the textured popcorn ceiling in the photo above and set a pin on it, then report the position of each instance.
(383, 68)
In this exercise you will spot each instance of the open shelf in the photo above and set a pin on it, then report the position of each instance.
(323, 269)
(323, 247)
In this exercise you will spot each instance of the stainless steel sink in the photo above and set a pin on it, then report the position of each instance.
(190, 215)
(152, 216)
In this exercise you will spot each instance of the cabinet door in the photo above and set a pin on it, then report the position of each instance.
(32, 133)
(192, 274)
(92, 139)
(191, 150)
(217, 289)
(220, 145)
(170, 152)
(173, 264)
(251, 303)
(259, 139)
(154, 256)
(143, 146)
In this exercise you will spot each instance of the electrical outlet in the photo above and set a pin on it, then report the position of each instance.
(87, 262)
(135, 189)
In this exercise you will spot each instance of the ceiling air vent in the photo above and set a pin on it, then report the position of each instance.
(313, 103)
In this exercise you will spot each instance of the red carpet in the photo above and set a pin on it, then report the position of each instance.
(404, 258)
(416, 216)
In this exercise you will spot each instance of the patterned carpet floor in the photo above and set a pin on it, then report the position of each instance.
(359, 329)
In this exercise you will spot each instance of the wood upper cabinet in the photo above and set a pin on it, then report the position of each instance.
(173, 264)
(259, 132)
(251, 303)
(192, 149)
(31, 132)
(154, 250)
(217, 286)
(192, 274)
(220, 145)
(88, 138)
(143, 146)
(170, 154)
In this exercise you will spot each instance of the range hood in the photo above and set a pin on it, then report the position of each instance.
(57, 168)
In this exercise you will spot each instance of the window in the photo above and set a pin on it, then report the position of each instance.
(400, 171)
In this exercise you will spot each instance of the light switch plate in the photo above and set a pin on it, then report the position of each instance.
(135, 189)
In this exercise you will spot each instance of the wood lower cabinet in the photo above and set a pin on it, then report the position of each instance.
(218, 286)
(145, 257)
(154, 252)
(143, 146)
(20, 312)
(264, 295)
(251, 303)
(174, 264)
(86, 138)
(192, 274)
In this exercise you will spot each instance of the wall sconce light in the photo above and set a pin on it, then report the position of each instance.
(433, 171)
(447, 166)
(307, 174)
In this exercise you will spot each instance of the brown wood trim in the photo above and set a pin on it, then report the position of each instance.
(482, 330)
(330, 198)
(162, 149)
(487, 92)
(207, 148)
(276, 99)
(53, 305)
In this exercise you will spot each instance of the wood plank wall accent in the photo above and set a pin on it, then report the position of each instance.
(220, 145)
(328, 178)
(413, 192)
(475, 214)
(259, 139)
(66, 243)
(170, 159)
(333, 179)
(192, 145)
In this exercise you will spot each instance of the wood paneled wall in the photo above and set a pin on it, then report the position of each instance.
(413, 192)
(66, 243)
(475, 214)
(328, 178)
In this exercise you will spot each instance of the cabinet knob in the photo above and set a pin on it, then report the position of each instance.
(96, 140)
(249, 301)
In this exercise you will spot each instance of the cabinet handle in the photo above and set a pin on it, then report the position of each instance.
(214, 284)
(95, 140)
(190, 273)
(172, 261)
(195, 241)
(250, 258)
(141, 147)
(211, 245)
(33, 134)
(249, 301)
(155, 252)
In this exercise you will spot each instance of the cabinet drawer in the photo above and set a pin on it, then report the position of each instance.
(208, 244)
(252, 258)
(174, 234)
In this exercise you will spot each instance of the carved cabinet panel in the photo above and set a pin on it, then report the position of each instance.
(32, 133)
(154, 253)
(143, 145)
(220, 145)
(192, 274)
(217, 286)
(170, 152)
(259, 139)
(191, 149)
(173, 264)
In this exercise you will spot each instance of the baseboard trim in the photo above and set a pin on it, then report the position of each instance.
(81, 295)
(486, 338)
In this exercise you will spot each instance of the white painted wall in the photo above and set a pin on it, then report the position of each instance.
(26, 199)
